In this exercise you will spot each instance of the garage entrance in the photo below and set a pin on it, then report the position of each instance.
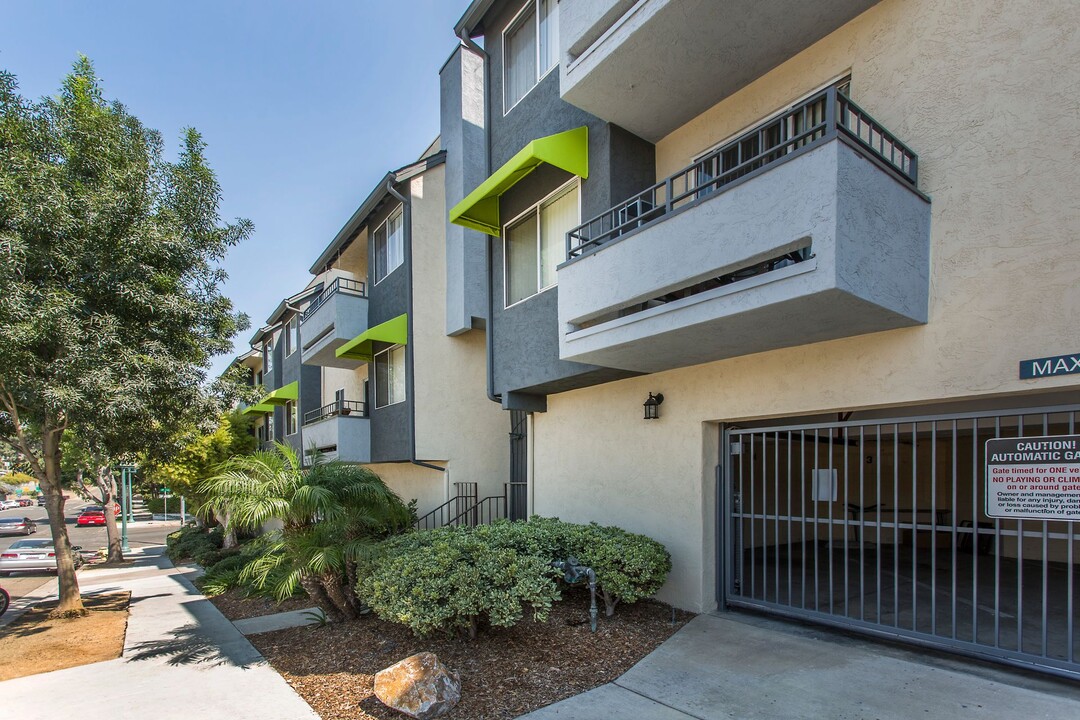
(880, 526)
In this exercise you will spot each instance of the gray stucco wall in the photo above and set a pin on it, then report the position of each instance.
(462, 137)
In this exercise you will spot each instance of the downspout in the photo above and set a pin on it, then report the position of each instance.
(409, 380)
(489, 332)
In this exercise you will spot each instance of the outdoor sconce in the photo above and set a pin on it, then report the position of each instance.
(652, 406)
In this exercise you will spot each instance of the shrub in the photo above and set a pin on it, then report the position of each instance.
(452, 579)
(224, 575)
(193, 543)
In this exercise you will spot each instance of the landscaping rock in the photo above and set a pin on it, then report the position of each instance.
(419, 686)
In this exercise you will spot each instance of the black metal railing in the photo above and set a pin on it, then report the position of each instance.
(817, 120)
(465, 497)
(343, 285)
(466, 509)
(343, 407)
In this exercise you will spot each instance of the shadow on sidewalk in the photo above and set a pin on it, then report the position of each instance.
(189, 645)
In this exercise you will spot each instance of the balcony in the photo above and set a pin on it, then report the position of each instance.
(336, 315)
(809, 227)
(652, 65)
(339, 430)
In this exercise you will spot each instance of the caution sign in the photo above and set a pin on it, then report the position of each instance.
(1033, 478)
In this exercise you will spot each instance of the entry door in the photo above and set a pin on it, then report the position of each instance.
(881, 526)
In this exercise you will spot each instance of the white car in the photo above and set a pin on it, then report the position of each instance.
(33, 554)
(8, 504)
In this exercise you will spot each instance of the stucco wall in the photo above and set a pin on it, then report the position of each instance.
(352, 381)
(412, 482)
(985, 93)
(455, 422)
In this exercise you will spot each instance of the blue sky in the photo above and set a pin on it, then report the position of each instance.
(304, 105)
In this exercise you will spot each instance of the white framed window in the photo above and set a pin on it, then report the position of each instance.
(268, 354)
(270, 427)
(390, 376)
(535, 242)
(389, 241)
(530, 49)
(292, 335)
(291, 418)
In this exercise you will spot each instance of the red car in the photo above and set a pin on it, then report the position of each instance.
(91, 517)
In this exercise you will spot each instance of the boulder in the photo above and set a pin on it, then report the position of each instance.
(419, 686)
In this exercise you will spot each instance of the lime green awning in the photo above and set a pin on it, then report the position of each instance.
(394, 331)
(283, 394)
(566, 150)
(258, 409)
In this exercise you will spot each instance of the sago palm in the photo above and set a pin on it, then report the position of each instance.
(329, 512)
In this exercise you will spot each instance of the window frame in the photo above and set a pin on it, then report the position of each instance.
(271, 436)
(540, 74)
(292, 418)
(268, 355)
(567, 187)
(292, 335)
(397, 211)
(375, 363)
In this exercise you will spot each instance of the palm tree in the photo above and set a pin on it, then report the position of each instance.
(329, 513)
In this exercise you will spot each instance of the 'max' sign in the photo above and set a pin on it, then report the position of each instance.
(1048, 367)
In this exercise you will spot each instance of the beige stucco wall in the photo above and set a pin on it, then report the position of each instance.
(413, 482)
(985, 93)
(455, 421)
(334, 379)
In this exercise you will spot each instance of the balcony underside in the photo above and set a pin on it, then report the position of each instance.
(672, 293)
(337, 321)
(661, 63)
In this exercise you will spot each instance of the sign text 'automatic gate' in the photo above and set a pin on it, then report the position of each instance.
(1033, 478)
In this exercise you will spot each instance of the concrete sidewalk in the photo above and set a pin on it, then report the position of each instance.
(182, 659)
(743, 666)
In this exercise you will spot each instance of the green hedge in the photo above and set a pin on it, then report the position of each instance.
(458, 578)
(195, 543)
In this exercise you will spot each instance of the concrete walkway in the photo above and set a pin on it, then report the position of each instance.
(743, 666)
(182, 659)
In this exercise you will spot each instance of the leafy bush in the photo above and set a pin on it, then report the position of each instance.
(224, 575)
(451, 579)
(194, 543)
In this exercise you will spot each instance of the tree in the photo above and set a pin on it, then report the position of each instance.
(110, 301)
(330, 513)
(202, 457)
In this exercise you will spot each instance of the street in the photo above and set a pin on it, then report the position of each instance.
(90, 538)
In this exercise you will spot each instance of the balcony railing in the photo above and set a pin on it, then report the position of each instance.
(817, 120)
(343, 285)
(344, 407)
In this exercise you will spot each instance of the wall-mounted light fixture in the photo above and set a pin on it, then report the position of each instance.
(652, 406)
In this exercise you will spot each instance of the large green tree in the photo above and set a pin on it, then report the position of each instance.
(110, 299)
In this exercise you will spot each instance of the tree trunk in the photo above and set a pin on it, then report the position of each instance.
(332, 585)
(610, 601)
(70, 599)
(229, 541)
(107, 486)
(318, 595)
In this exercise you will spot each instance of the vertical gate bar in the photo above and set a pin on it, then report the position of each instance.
(914, 527)
(764, 517)
(877, 498)
(933, 527)
(831, 527)
(896, 523)
(741, 549)
(753, 521)
(955, 520)
(975, 530)
(1020, 566)
(997, 560)
(817, 532)
(802, 515)
(1045, 564)
(843, 511)
(776, 514)
(789, 598)
(1069, 571)
(862, 525)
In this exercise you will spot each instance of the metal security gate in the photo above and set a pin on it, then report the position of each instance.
(879, 526)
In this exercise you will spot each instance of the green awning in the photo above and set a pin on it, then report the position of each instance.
(394, 331)
(283, 394)
(258, 409)
(566, 150)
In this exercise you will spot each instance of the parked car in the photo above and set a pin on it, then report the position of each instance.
(25, 502)
(8, 504)
(33, 555)
(91, 517)
(41, 501)
(98, 508)
(17, 526)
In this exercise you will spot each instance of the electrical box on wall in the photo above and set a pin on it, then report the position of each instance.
(824, 485)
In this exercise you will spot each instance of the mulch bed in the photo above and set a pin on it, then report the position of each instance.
(504, 672)
(235, 606)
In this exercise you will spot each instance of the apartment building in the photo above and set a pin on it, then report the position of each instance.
(358, 366)
(766, 280)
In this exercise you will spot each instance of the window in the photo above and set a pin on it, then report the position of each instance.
(270, 427)
(290, 417)
(536, 243)
(292, 337)
(390, 376)
(389, 244)
(268, 354)
(530, 49)
(260, 433)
